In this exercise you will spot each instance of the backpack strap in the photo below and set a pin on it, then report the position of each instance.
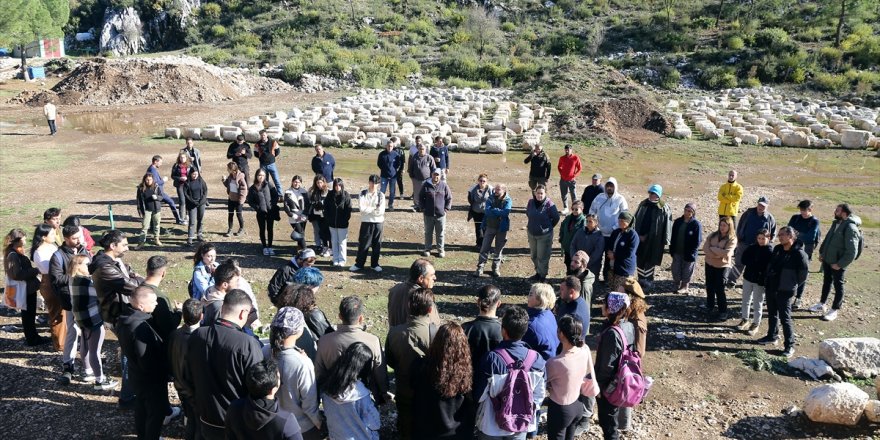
(620, 333)
(530, 359)
(505, 356)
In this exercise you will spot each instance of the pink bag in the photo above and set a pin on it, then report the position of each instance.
(629, 387)
(589, 387)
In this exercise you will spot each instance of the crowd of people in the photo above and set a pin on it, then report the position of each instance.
(312, 378)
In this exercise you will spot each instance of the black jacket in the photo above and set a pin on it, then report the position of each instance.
(609, 351)
(19, 268)
(484, 334)
(787, 269)
(146, 200)
(318, 323)
(144, 348)
(590, 193)
(241, 161)
(165, 319)
(282, 277)
(439, 417)
(111, 285)
(263, 199)
(219, 355)
(195, 193)
(58, 266)
(266, 152)
(756, 259)
(693, 236)
(258, 419)
(540, 165)
(177, 361)
(337, 209)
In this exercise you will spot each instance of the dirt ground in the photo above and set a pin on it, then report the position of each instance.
(701, 390)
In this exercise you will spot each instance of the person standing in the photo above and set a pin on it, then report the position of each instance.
(401, 166)
(421, 168)
(219, 355)
(719, 248)
(297, 209)
(756, 258)
(195, 156)
(809, 232)
(390, 163)
(337, 214)
(440, 153)
(729, 196)
(421, 274)
(574, 301)
(50, 111)
(606, 207)
(579, 268)
(160, 181)
(621, 252)
(542, 333)
(371, 204)
(263, 199)
(542, 218)
(149, 206)
(267, 150)
(59, 267)
(167, 315)
(239, 152)
(20, 271)
(839, 249)
(435, 200)
(179, 176)
(86, 313)
(177, 359)
(195, 194)
(590, 241)
(258, 415)
(752, 221)
(617, 334)
(570, 225)
(42, 248)
(236, 192)
(592, 190)
(495, 224)
(323, 163)
(484, 331)
(350, 412)
(569, 167)
(788, 267)
(317, 199)
(653, 223)
(477, 196)
(148, 362)
(204, 264)
(566, 376)
(539, 170)
(687, 235)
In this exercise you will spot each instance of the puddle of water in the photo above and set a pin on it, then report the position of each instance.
(109, 123)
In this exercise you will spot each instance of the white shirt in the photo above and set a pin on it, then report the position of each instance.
(49, 111)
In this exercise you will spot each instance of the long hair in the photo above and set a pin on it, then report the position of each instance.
(13, 240)
(730, 230)
(40, 232)
(318, 178)
(186, 159)
(637, 306)
(265, 177)
(341, 183)
(203, 249)
(143, 184)
(572, 330)
(75, 262)
(354, 364)
(449, 361)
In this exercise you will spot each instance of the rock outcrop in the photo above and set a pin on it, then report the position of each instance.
(122, 33)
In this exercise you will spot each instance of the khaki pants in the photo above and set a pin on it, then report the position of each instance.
(57, 325)
(151, 221)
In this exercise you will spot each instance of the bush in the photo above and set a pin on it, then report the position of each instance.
(753, 83)
(365, 37)
(718, 78)
(217, 31)
(430, 81)
(812, 34)
(246, 39)
(371, 75)
(460, 37)
(670, 78)
(217, 56)
(830, 57)
(422, 28)
(462, 83)
(774, 40)
(565, 44)
(293, 70)
(245, 51)
(211, 11)
(830, 82)
(508, 26)
(735, 43)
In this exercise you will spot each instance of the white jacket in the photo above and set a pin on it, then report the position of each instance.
(607, 209)
(372, 206)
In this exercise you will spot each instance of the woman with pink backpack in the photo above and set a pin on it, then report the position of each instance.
(616, 341)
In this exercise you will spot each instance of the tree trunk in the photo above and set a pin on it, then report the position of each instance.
(24, 71)
(720, 11)
(840, 23)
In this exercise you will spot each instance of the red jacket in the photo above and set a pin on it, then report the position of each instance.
(569, 167)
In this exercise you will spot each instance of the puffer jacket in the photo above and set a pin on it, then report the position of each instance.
(841, 243)
(262, 199)
(787, 268)
(607, 208)
(337, 209)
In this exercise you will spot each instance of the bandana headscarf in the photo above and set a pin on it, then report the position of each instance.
(289, 321)
(616, 302)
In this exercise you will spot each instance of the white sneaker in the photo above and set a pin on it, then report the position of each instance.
(266, 251)
(354, 268)
(378, 269)
(830, 316)
(818, 308)
(175, 413)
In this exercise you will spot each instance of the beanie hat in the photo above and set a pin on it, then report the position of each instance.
(616, 301)
(625, 215)
(656, 189)
(289, 320)
(692, 207)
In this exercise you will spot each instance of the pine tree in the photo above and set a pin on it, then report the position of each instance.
(25, 21)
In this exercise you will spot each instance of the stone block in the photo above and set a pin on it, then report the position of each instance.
(857, 356)
(172, 132)
(837, 403)
(855, 139)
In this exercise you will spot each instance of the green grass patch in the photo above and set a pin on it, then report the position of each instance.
(759, 360)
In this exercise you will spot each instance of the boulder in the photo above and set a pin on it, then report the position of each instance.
(330, 140)
(469, 145)
(172, 132)
(857, 356)
(795, 139)
(192, 132)
(872, 411)
(212, 134)
(122, 32)
(307, 140)
(496, 146)
(290, 138)
(855, 139)
(251, 135)
(230, 135)
(838, 403)
(682, 132)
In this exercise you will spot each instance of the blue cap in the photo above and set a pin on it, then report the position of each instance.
(656, 189)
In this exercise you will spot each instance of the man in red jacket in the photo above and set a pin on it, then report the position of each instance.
(569, 169)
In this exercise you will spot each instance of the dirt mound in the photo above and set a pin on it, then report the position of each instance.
(156, 80)
(610, 117)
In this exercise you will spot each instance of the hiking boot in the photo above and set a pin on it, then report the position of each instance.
(479, 272)
(753, 329)
(743, 324)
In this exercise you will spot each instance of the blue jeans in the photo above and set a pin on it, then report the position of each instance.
(272, 170)
(167, 199)
(389, 182)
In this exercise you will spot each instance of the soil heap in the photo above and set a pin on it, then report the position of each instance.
(153, 80)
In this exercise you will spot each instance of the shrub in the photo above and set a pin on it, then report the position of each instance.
(460, 37)
(365, 37)
(774, 40)
(422, 27)
(293, 70)
(735, 43)
(245, 51)
(430, 81)
(217, 31)
(508, 26)
(211, 11)
(830, 57)
(371, 75)
(718, 78)
(246, 39)
(830, 82)
(393, 22)
(217, 56)
(753, 83)
(810, 34)
(670, 78)
(461, 83)
(565, 44)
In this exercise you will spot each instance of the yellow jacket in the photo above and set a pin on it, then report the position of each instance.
(729, 196)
